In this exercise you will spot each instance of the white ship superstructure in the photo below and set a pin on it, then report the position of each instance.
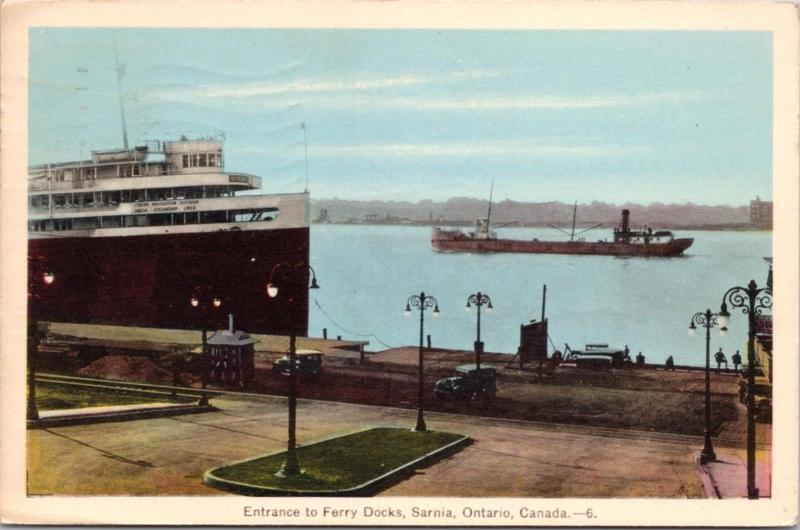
(160, 187)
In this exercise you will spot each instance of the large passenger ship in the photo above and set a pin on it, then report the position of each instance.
(133, 233)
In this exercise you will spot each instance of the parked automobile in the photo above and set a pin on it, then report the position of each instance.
(597, 356)
(307, 363)
(468, 383)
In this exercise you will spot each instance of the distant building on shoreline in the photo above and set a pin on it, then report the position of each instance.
(323, 217)
(761, 213)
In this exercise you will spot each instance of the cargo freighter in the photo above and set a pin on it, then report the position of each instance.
(132, 233)
(626, 242)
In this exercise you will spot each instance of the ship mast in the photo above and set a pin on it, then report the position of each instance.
(489, 215)
(574, 214)
(120, 73)
(305, 141)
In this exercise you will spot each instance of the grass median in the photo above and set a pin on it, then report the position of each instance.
(341, 463)
(60, 397)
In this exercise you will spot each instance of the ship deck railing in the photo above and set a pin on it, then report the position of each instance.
(234, 177)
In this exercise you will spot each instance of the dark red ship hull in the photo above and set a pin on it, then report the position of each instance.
(149, 280)
(464, 243)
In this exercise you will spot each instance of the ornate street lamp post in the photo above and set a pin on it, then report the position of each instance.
(421, 302)
(752, 302)
(291, 468)
(707, 320)
(204, 300)
(39, 277)
(478, 300)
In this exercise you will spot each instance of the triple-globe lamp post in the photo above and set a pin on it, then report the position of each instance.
(291, 468)
(752, 300)
(707, 320)
(422, 302)
(205, 300)
(479, 299)
(40, 277)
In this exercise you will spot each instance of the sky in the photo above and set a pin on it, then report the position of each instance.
(612, 116)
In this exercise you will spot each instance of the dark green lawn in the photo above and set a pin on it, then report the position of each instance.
(341, 463)
(58, 397)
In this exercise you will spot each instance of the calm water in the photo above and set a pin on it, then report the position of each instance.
(368, 272)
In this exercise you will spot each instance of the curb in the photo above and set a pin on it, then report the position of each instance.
(124, 415)
(709, 486)
(366, 489)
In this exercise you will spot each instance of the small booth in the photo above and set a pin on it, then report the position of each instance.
(230, 354)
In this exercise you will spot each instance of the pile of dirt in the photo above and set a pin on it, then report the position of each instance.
(128, 368)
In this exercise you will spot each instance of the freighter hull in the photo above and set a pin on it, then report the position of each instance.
(675, 247)
(148, 280)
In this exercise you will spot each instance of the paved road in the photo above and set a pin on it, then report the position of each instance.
(508, 458)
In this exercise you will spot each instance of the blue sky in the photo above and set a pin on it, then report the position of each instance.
(615, 116)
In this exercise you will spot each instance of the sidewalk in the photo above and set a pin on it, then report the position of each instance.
(728, 473)
(168, 455)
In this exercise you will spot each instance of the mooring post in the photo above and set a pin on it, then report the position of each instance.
(325, 333)
(429, 342)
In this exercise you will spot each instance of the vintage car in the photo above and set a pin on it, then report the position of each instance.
(468, 383)
(597, 356)
(307, 363)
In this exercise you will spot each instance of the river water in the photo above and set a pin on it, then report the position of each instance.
(367, 273)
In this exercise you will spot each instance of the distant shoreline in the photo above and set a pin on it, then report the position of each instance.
(733, 227)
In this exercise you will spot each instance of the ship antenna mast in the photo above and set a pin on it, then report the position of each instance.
(305, 142)
(120, 73)
(574, 213)
(489, 215)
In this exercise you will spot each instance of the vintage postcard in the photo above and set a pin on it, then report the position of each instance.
(432, 263)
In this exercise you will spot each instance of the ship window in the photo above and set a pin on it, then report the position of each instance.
(111, 222)
(212, 159)
(38, 226)
(84, 223)
(163, 219)
(185, 160)
(249, 216)
(40, 201)
(203, 160)
(62, 224)
(213, 217)
(137, 170)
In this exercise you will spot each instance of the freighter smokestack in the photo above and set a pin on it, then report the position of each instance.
(625, 215)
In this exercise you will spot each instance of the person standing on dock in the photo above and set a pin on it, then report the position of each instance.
(737, 360)
(640, 359)
(670, 364)
(720, 358)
